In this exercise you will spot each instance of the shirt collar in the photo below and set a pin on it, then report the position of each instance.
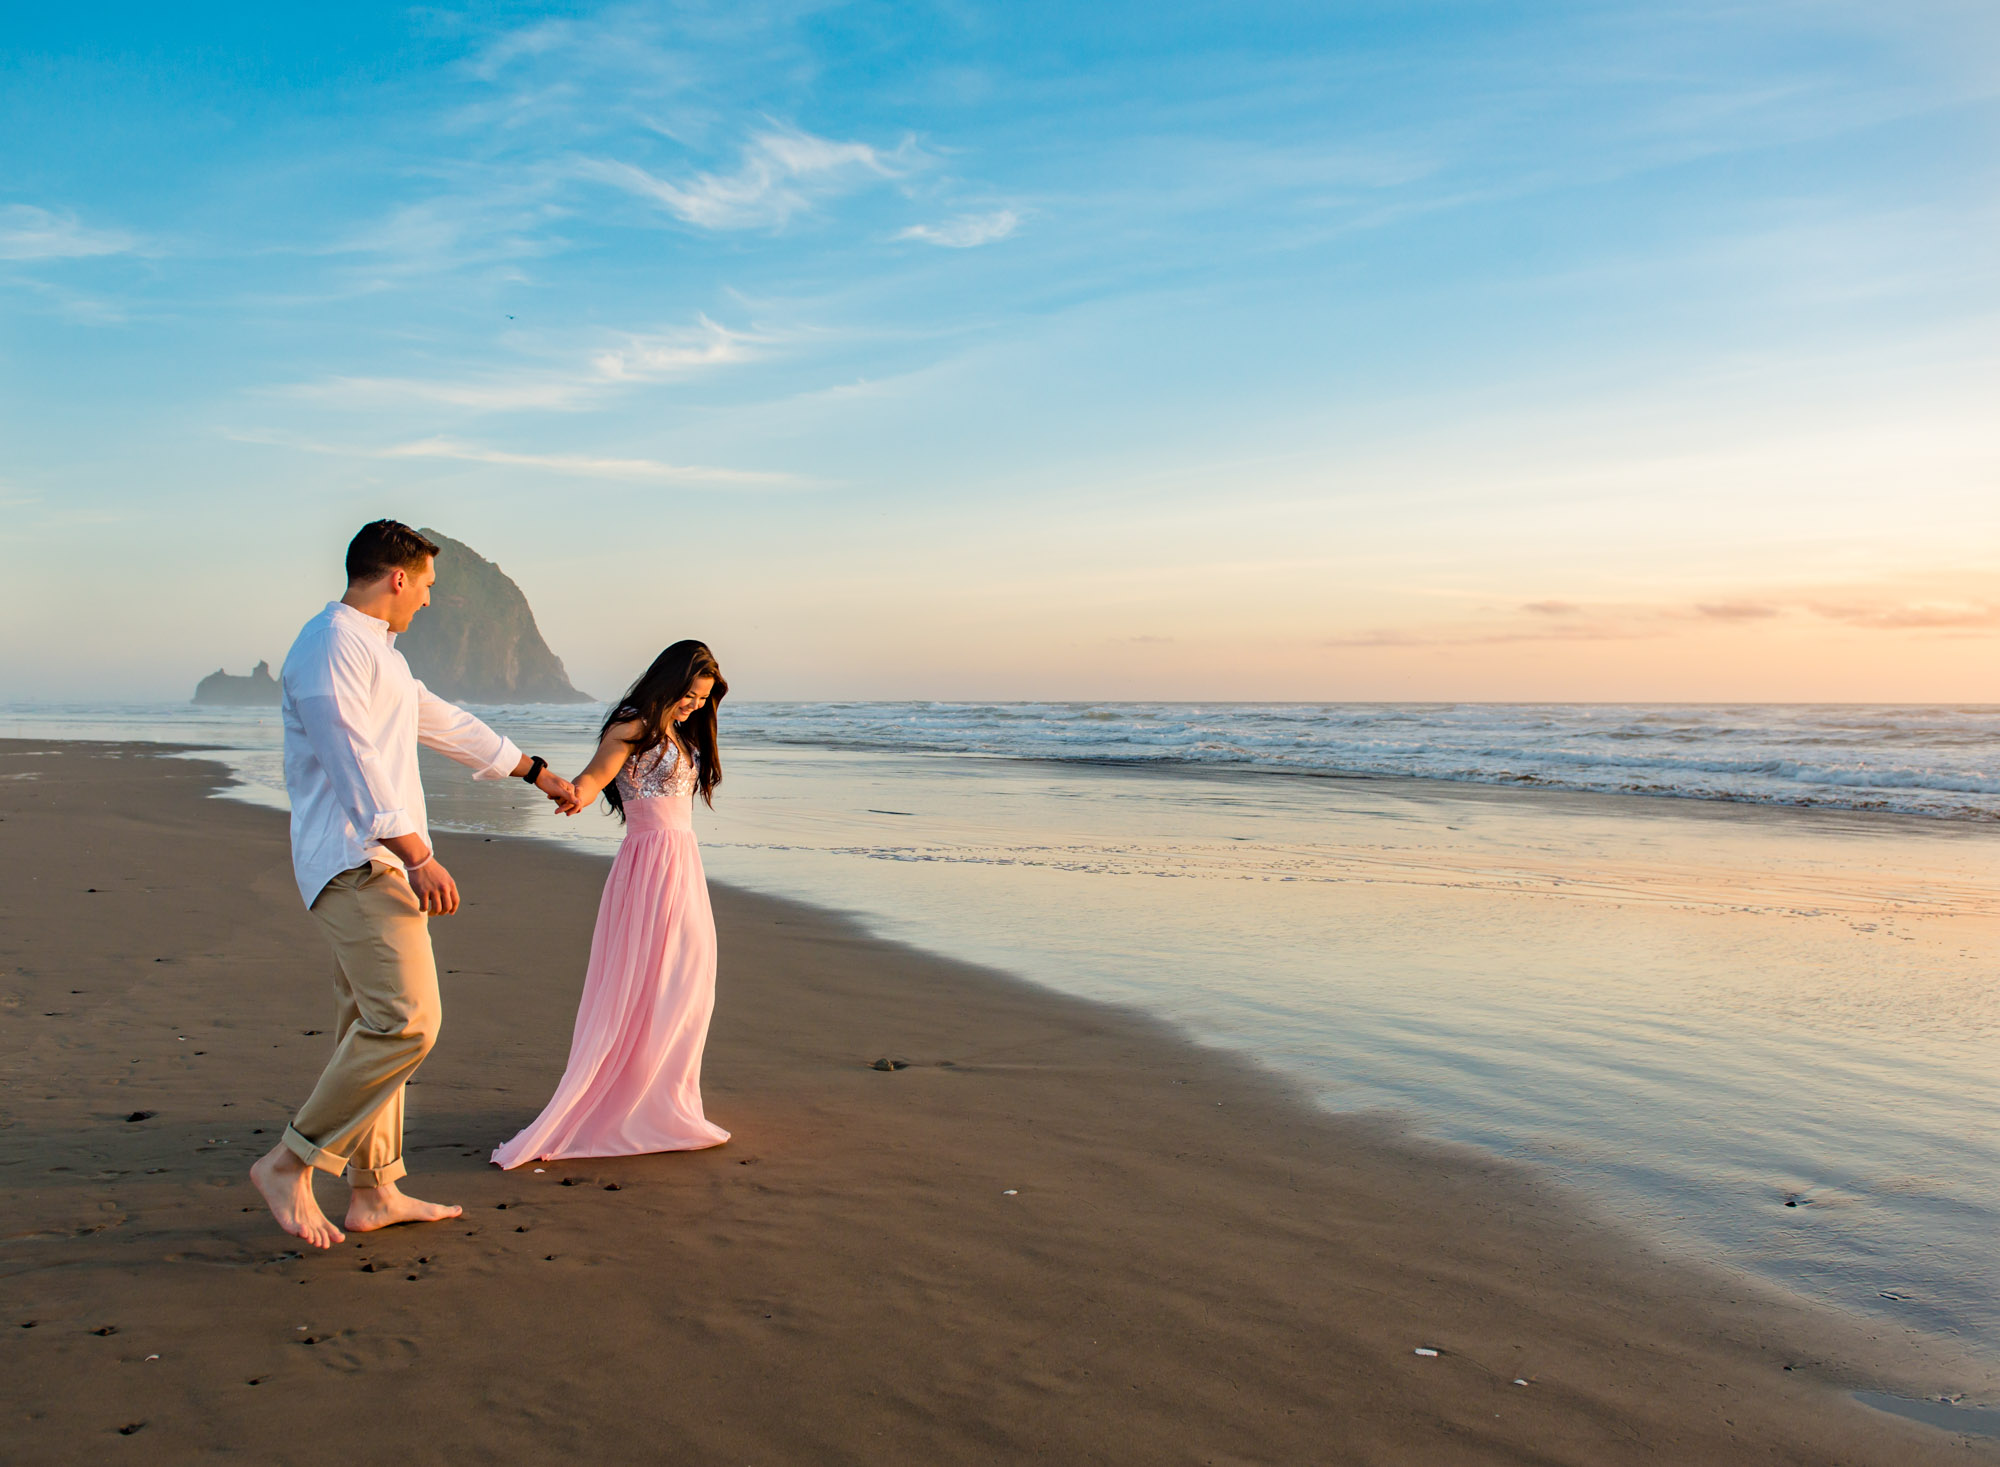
(361, 620)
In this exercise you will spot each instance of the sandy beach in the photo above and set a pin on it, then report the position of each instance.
(1059, 1233)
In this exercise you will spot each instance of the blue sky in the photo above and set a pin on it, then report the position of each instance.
(1400, 350)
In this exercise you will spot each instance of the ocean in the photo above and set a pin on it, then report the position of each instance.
(1919, 761)
(1728, 972)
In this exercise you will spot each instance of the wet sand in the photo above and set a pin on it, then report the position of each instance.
(1060, 1233)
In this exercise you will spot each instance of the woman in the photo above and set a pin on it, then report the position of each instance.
(634, 1079)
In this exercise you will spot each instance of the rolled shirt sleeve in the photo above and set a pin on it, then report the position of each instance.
(457, 735)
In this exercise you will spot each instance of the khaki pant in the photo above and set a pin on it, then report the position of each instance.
(386, 991)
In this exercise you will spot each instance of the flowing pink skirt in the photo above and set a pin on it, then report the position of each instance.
(634, 1079)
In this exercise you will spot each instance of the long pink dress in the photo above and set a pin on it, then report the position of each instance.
(634, 1079)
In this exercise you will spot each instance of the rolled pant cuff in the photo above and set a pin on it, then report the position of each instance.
(313, 1155)
(376, 1176)
(319, 1158)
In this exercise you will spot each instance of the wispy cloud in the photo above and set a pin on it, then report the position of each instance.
(618, 51)
(1735, 610)
(1860, 607)
(673, 354)
(634, 359)
(29, 233)
(1594, 631)
(967, 231)
(480, 224)
(641, 470)
(492, 394)
(782, 172)
(593, 466)
(535, 40)
(1913, 616)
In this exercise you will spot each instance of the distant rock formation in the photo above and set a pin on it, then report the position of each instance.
(259, 690)
(477, 642)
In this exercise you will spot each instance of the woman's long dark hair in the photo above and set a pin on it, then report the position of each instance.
(661, 686)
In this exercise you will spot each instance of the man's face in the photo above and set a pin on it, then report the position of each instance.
(410, 593)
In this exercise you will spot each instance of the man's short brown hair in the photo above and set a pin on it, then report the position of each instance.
(384, 546)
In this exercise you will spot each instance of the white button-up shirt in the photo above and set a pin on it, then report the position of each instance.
(354, 716)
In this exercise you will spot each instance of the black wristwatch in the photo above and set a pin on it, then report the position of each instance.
(536, 764)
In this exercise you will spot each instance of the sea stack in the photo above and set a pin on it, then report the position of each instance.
(220, 689)
(478, 642)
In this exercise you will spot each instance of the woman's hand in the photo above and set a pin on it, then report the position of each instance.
(555, 787)
(613, 749)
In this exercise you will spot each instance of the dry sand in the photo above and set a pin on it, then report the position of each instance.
(1061, 1234)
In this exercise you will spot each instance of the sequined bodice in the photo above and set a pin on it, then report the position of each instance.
(655, 774)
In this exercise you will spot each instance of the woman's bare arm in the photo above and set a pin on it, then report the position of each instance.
(612, 752)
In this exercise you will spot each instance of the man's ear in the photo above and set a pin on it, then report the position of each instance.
(398, 579)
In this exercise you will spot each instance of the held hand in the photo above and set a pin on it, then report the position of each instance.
(435, 891)
(555, 787)
(579, 797)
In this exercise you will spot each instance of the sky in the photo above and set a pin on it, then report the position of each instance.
(1423, 349)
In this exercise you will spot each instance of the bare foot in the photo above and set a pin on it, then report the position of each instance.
(285, 1183)
(385, 1206)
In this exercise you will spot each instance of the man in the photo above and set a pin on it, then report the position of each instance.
(362, 852)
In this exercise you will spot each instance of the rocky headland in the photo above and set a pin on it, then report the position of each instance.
(476, 643)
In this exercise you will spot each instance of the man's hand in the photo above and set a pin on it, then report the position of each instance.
(436, 892)
(556, 788)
